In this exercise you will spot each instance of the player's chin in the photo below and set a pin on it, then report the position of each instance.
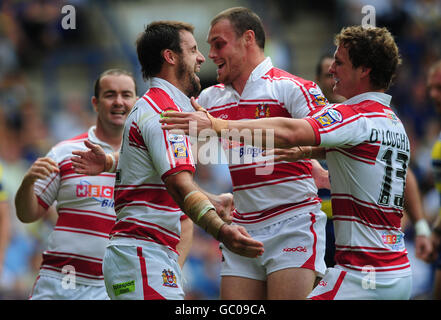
(118, 122)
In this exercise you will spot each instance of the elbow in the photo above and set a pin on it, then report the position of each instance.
(24, 214)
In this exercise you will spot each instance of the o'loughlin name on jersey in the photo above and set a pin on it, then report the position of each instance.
(390, 138)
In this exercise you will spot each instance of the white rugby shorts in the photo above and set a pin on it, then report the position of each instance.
(338, 284)
(149, 272)
(51, 288)
(296, 242)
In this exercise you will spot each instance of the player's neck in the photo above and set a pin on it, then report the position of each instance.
(252, 62)
(111, 136)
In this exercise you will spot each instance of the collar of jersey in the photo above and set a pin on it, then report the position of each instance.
(258, 72)
(379, 97)
(94, 139)
(180, 99)
(261, 69)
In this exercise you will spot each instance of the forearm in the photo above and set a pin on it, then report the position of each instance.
(193, 202)
(186, 241)
(413, 204)
(275, 132)
(26, 203)
(318, 153)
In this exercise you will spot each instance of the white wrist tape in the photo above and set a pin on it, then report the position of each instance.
(113, 167)
(422, 228)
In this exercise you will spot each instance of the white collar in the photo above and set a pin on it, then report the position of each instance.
(91, 135)
(261, 69)
(379, 97)
(180, 99)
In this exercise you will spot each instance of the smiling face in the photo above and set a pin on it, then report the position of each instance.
(227, 51)
(115, 100)
(326, 81)
(347, 78)
(190, 61)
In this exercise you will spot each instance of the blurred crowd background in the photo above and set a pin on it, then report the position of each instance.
(47, 75)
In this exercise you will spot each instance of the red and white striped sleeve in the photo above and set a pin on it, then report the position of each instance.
(339, 125)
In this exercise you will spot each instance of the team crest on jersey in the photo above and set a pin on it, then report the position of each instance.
(179, 150)
(169, 279)
(329, 117)
(178, 145)
(262, 111)
(175, 138)
(391, 116)
(319, 98)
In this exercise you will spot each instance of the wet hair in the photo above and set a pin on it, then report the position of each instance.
(318, 67)
(157, 37)
(373, 48)
(243, 19)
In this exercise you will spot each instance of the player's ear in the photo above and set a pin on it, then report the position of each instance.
(249, 37)
(169, 56)
(94, 102)
(365, 72)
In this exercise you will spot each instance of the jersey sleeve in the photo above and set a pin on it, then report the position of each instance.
(302, 98)
(339, 125)
(46, 190)
(170, 153)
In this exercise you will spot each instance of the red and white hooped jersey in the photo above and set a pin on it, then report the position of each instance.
(367, 153)
(264, 194)
(146, 213)
(85, 215)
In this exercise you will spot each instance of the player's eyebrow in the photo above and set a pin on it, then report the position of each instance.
(212, 39)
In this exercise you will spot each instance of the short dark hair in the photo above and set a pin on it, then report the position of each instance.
(243, 19)
(111, 72)
(318, 67)
(373, 48)
(158, 36)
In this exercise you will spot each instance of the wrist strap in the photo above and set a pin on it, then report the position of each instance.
(113, 166)
(422, 228)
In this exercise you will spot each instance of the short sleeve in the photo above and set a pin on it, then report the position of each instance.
(170, 153)
(302, 98)
(46, 190)
(339, 125)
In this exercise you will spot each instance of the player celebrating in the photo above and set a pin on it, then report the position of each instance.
(295, 252)
(72, 264)
(367, 152)
(281, 208)
(154, 176)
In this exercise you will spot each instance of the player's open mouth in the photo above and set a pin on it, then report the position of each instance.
(118, 112)
(220, 66)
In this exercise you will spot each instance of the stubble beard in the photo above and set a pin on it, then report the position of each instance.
(192, 86)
